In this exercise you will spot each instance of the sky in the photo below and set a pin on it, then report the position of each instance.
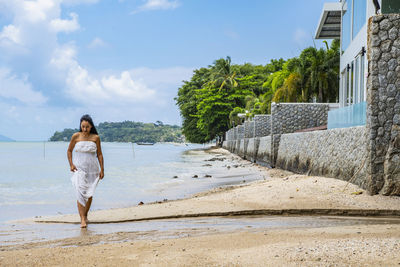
(125, 59)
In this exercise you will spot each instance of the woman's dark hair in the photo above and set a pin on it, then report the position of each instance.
(87, 118)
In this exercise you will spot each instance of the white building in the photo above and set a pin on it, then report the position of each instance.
(347, 20)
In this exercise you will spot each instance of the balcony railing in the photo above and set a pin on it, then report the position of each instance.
(350, 116)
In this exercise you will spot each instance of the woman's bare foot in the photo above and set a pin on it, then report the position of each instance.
(83, 224)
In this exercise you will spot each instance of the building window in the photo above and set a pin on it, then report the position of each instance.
(346, 23)
(362, 73)
(356, 80)
(390, 6)
(359, 15)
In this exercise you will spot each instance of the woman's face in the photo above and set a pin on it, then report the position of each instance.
(86, 127)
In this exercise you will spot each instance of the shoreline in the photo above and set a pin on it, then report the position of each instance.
(282, 194)
(274, 192)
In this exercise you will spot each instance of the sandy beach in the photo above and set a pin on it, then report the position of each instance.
(276, 193)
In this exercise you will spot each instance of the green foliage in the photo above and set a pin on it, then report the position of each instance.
(210, 101)
(233, 116)
(129, 131)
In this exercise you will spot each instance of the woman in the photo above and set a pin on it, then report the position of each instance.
(85, 165)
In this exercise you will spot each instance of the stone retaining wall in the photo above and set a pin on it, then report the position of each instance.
(264, 151)
(383, 104)
(262, 125)
(333, 153)
(243, 147)
(340, 153)
(252, 149)
(290, 117)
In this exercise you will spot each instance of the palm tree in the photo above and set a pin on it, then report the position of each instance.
(222, 74)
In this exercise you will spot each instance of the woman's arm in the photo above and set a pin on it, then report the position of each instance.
(70, 149)
(100, 157)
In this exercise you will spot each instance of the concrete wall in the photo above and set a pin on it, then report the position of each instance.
(252, 149)
(243, 147)
(368, 156)
(383, 104)
(264, 151)
(333, 153)
(290, 117)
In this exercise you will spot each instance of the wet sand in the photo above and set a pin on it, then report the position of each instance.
(366, 244)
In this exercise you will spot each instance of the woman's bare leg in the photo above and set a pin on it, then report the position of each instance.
(87, 208)
(82, 214)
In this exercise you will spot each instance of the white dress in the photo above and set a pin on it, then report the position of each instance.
(86, 178)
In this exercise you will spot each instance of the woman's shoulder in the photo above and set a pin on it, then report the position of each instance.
(75, 136)
(95, 137)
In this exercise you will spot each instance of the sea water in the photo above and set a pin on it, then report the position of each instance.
(35, 177)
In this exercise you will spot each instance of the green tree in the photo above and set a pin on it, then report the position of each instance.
(223, 75)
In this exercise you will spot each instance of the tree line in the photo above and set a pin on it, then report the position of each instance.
(211, 100)
(129, 131)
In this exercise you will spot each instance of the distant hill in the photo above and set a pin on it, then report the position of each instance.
(5, 139)
(130, 131)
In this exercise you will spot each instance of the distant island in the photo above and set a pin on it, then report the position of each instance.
(5, 139)
(130, 131)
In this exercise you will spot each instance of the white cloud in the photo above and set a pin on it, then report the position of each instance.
(29, 44)
(158, 5)
(64, 57)
(97, 43)
(64, 25)
(78, 2)
(160, 78)
(19, 88)
(10, 34)
(36, 11)
(85, 88)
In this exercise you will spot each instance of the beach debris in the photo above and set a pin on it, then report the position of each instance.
(207, 176)
(175, 176)
(297, 190)
(235, 166)
(357, 193)
(215, 159)
(195, 176)
(207, 165)
(228, 167)
(141, 203)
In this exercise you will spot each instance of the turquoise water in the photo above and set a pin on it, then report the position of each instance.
(35, 177)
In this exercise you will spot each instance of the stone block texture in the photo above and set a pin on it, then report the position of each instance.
(290, 117)
(383, 104)
(262, 125)
(240, 132)
(335, 153)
